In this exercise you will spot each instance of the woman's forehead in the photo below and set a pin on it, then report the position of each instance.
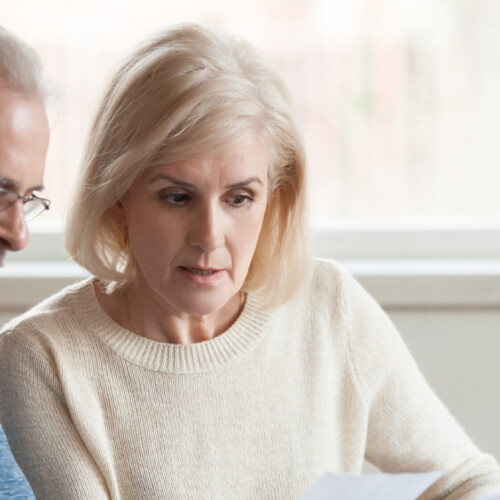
(246, 159)
(232, 150)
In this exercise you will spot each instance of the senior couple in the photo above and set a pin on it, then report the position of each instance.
(208, 356)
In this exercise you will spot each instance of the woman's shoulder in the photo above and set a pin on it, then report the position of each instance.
(328, 267)
(324, 290)
(47, 315)
(328, 277)
(332, 286)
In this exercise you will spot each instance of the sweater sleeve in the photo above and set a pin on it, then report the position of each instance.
(39, 428)
(409, 429)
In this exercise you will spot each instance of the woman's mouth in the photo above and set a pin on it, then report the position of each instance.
(201, 276)
(203, 272)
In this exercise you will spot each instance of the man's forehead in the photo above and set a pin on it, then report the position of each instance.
(24, 136)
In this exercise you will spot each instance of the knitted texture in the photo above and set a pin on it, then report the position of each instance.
(93, 411)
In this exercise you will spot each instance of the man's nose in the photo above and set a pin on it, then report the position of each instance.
(207, 230)
(14, 232)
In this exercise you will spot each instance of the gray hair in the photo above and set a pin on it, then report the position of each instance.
(20, 66)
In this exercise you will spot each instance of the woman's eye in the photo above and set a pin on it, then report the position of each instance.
(240, 199)
(175, 198)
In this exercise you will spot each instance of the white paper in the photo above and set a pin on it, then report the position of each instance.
(370, 486)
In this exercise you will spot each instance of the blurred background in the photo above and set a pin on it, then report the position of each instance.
(398, 99)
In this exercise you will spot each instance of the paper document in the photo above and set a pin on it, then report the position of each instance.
(370, 486)
(374, 487)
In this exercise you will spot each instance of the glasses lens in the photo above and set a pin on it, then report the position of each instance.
(33, 208)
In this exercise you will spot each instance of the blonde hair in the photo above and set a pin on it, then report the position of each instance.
(20, 66)
(185, 92)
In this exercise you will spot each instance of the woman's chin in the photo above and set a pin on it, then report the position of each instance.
(201, 306)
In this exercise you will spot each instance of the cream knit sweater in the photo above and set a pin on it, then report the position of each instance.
(93, 411)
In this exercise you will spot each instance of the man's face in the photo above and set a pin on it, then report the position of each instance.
(24, 139)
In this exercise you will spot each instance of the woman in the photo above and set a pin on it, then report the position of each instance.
(203, 359)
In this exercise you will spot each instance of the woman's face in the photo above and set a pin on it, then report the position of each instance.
(193, 227)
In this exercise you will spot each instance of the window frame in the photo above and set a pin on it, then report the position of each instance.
(404, 267)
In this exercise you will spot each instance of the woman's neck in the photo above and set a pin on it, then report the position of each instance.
(151, 319)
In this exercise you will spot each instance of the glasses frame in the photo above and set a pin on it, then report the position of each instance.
(45, 203)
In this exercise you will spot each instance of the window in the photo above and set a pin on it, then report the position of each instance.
(399, 104)
(399, 100)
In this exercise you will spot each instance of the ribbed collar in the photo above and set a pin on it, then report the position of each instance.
(238, 340)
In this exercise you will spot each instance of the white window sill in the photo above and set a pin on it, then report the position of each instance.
(416, 267)
(398, 284)
(393, 283)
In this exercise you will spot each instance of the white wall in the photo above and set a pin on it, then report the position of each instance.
(459, 352)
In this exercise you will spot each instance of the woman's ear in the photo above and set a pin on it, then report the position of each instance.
(117, 212)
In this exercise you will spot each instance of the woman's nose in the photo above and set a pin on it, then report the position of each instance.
(14, 232)
(207, 230)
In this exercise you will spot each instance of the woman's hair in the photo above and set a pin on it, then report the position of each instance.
(186, 92)
(20, 67)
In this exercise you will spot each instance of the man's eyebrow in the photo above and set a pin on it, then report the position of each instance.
(12, 184)
(8, 183)
(180, 182)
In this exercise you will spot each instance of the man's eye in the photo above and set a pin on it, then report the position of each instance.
(30, 197)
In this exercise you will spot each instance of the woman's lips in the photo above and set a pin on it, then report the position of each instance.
(200, 275)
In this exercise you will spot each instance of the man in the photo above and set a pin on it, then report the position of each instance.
(24, 137)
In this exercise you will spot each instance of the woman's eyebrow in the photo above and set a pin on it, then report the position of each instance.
(245, 182)
(180, 182)
(174, 180)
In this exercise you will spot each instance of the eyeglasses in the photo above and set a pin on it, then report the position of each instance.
(33, 205)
